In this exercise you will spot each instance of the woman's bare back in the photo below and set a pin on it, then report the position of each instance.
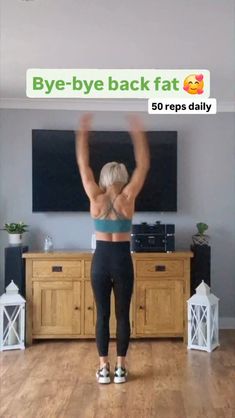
(100, 205)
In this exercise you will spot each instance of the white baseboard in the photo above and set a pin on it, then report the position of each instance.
(227, 323)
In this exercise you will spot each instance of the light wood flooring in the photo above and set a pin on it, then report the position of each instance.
(56, 379)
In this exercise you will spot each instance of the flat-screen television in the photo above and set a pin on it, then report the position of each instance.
(56, 182)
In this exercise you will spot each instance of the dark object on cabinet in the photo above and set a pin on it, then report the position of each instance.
(15, 267)
(155, 237)
(200, 266)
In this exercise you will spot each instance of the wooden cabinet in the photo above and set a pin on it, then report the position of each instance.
(159, 307)
(162, 288)
(60, 302)
(155, 268)
(56, 307)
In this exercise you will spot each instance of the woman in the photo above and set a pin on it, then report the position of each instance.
(112, 207)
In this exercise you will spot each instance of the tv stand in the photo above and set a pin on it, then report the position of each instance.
(60, 302)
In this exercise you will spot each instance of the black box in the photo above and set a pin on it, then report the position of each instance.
(200, 266)
(15, 266)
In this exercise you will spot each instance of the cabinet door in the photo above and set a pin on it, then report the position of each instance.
(56, 307)
(91, 313)
(89, 310)
(159, 307)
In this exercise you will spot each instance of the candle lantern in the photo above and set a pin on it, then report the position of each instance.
(12, 319)
(203, 319)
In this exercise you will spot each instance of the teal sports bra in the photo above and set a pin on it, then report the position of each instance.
(121, 224)
(112, 225)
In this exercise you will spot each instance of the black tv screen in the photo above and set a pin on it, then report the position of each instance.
(57, 183)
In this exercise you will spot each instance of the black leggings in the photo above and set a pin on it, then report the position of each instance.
(112, 267)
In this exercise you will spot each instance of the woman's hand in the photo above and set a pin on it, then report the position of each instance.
(82, 136)
(135, 123)
(85, 122)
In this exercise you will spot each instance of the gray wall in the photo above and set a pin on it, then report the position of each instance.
(206, 187)
(117, 34)
(130, 34)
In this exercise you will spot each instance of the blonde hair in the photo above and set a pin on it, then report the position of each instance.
(111, 173)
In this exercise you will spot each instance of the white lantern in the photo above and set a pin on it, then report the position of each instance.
(203, 319)
(12, 319)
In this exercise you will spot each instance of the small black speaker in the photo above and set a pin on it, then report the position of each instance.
(200, 266)
(15, 266)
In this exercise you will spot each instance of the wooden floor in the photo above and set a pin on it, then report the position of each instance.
(57, 379)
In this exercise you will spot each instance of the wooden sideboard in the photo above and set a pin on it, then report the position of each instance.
(60, 303)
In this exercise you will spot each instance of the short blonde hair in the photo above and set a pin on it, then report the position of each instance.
(111, 173)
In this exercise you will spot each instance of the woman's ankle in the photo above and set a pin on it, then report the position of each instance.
(120, 361)
(104, 361)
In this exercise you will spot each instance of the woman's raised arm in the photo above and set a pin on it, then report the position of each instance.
(82, 156)
(142, 158)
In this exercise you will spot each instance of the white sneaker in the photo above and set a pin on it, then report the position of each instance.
(103, 374)
(120, 374)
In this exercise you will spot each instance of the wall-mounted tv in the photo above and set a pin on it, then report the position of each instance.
(56, 180)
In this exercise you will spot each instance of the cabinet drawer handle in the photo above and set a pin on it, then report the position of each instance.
(90, 308)
(141, 307)
(57, 269)
(77, 308)
(160, 268)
